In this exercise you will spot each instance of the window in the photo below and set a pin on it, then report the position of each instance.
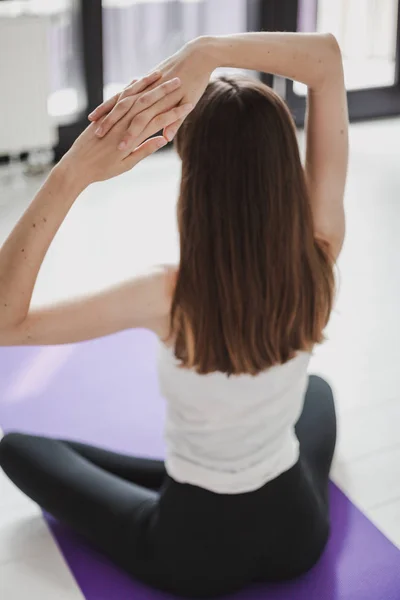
(139, 34)
(368, 32)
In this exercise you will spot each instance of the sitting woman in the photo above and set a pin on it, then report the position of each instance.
(243, 493)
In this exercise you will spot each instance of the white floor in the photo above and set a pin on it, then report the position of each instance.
(121, 226)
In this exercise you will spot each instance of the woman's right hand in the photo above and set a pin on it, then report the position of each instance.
(92, 159)
(193, 64)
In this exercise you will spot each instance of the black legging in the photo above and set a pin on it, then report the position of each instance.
(179, 537)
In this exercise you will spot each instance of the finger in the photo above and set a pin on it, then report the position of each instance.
(150, 98)
(130, 83)
(171, 130)
(146, 107)
(148, 147)
(142, 119)
(118, 112)
(103, 108)
(126, 102)
(139, 85)
(135, 87)
(162, 120)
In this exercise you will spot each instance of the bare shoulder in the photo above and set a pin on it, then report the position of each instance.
(160, 283)
(170, 272)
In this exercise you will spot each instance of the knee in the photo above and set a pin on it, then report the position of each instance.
(320, 386)
(321, 398)
(10, 446)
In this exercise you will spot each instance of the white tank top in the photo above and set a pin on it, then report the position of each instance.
(231, 435)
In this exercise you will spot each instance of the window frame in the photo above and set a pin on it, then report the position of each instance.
(364, 104)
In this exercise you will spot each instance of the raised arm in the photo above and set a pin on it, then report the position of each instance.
(133, 304)
(315, 60)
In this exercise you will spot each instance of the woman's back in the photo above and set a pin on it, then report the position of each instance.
(231, 434)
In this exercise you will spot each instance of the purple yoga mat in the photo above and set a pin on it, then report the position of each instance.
(105, 392)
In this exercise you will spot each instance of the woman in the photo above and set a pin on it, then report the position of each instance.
(243, 493)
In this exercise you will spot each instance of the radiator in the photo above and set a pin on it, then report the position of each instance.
(25, 123)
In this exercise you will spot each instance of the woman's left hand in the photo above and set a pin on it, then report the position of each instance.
(193, 64)
(93, 159)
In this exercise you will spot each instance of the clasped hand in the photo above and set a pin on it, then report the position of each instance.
(192, 65)
(93, 159)
(120, 133)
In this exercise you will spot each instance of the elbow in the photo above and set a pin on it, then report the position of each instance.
(10, 324)
(331, 60)
(332, 43)
(16, 335)
(333, 54)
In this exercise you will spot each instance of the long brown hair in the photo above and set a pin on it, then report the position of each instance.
(253, 285)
